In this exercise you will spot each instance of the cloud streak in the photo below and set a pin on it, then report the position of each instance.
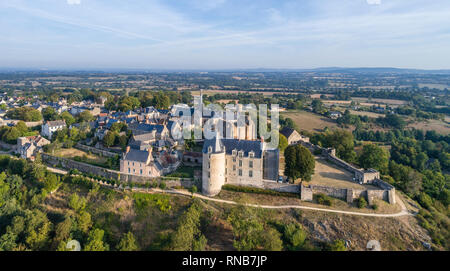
(281, 32)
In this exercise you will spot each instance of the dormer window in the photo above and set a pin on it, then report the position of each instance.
(209, 149)
(234, 152)
(251, 154)
(241, 153)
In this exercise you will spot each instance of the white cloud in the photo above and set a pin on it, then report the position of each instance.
(73, 2)
(374, 2)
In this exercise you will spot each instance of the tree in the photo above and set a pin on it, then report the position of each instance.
(68, 118)
(84, 221)
(361, 202)
(123, 141)
(24, 113)
(341, 140)
(52, 182)
(11, 135)
(373, 156)
(95, 241)
(300, 162)
(85, 116)
(188, 230)
(282, 143)
(392, 120)
(161, 101)
(295, 235)
(62, 232)
(271, 240)
(77, 203)
(317, 106)
(109, 139)
(49, 113)
(338, 245)
(22, 127)
(127, 103)
(127, 243)
(4, 189)
(414, 183)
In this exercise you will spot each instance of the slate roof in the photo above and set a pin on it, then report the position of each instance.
(136, 155)
(235, 144)
(144, 137)
(163, 111)
(146, 127)
(56, 123)
(287, 132)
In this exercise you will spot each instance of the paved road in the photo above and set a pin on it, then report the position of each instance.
(403, 212)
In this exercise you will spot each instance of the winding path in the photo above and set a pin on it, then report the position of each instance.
(403, 212)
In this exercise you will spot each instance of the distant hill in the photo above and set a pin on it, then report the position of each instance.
(354, 70)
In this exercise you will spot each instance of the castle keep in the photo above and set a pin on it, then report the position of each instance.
(238, 162)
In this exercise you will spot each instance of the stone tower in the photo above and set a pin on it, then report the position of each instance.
(213, 167)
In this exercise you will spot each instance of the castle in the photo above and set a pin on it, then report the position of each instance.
(238, 162)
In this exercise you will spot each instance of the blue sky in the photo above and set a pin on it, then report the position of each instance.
(224, 34)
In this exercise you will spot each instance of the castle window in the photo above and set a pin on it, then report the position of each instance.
(241, 154)
(251, 154)
(240, 163)
(250, 173)
(240, 172)
(141, 172)
(234, 167)
(250, 164)
(234, 159)
(234, 152)
(129, 170)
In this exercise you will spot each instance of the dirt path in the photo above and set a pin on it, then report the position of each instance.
(403, 212)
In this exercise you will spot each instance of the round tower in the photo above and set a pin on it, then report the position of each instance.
(213, 168)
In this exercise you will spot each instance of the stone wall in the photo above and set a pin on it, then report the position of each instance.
(347, 194)
(110, 174)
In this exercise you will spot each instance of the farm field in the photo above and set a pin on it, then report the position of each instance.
(76, 154)
(365, 113)
(432, 125)
(382, 101)
(309, 121)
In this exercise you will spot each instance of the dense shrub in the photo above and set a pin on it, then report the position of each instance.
(361, 202)
(255, 190)
(324, 199)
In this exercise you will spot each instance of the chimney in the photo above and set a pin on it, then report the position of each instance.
(262, 144)
(128, 149)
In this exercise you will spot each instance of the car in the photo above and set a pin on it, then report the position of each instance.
(280, 179)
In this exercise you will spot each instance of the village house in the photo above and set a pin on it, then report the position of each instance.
(49, 127)
(28, 147)
(292, 136)
(335, 114)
